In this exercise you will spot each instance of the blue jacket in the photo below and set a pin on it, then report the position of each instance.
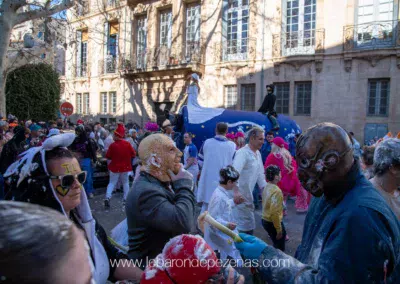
(354, 240)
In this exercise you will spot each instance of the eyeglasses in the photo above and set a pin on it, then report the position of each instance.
(68, 180)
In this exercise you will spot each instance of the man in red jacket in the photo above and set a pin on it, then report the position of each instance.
(120, 153)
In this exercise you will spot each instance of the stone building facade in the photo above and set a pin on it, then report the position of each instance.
(330, 60)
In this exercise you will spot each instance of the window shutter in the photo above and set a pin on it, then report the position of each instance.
(197, 24)
(224, 20)
(78, 52)
(106, 30)
(169, 29)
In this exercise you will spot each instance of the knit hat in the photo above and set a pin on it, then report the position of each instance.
(35, 127)
(185, 259)
(120, 131)
(80, 121)
(278, 141)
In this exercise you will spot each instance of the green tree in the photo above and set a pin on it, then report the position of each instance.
(33, 92)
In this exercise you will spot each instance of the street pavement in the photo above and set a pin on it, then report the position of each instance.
(109, 218)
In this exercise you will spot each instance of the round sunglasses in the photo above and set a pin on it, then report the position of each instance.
(68, 180)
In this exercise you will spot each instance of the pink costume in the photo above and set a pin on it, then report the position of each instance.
(289, 184)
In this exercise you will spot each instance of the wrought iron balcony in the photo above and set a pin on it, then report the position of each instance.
(109, 65)
(164, 57)
(235, 50)
(298, 43)
(372, 35)
(81, 71)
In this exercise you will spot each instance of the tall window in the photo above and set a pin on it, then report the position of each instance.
(248, 97)
(111, 46)
(103, 103)
(141, 41)
(300, 26)
(303, 98)
(79, 103)
(192, 30)
(282, 97)
(230, 100)
(165, 28)
(81, 53)
(375, 25)
(86, 103)
(113, 102)
(378, 97)
(236, 17)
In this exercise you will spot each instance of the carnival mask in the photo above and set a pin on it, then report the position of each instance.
(321, 153)
(159, 154)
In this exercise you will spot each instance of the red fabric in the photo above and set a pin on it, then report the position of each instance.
(121, 154)
(178, 255)
(278, 141)
(80, 121)
(289, 184)
(120, 131)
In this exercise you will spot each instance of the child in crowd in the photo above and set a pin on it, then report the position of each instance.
(273, 208)
(220, 208)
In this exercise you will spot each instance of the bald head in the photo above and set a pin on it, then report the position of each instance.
(158, 155)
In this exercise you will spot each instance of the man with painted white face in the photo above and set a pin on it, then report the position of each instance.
(161, 206)
(248, 163)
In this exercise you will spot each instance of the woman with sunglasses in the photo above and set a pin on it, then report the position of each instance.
(51, 176)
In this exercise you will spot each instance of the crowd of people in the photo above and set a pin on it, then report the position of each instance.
(351, 231)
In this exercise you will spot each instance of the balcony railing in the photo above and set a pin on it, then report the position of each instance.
(110, 65)
(163, 57)
(372, 35)
(81, 71)
(298, 43)
(235, 50)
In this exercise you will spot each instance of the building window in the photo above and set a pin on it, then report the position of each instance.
(141, 42)
(230, 100)
(113, 102)
(192, 31)
(282, 91)
(236, 17)
(300, 27)
(375, 25)
(81, 53)
(378, 97)
(165, 28)
(303, 98)
(111, 47)
(79, 103)
(86, 103)
(103, 103)
(248, 97)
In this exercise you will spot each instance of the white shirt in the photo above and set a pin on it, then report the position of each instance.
(251, 169)
(107, 142)
(220, 208)
(217, 153)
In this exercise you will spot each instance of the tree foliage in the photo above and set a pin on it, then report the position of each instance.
(33, 92)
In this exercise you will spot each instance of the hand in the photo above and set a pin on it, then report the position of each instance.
(279, 236)
(251, 247)
(238, 198)
(232, 275)
(182, 174)
(231, 226)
